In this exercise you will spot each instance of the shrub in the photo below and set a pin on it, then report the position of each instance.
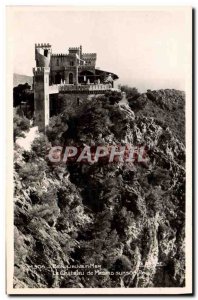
(130, 91)
(20, 124)
(113, 96)
(137, 102)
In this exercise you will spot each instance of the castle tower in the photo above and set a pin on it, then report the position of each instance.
(41, 85)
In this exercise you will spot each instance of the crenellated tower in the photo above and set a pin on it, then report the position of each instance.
(41, 85)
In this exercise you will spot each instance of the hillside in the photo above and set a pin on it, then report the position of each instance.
(124, 220)
(22, 79)
(167, 106)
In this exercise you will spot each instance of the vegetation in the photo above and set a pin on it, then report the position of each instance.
(131, 92)
(126, 219)
(20, 125)
(23, 98)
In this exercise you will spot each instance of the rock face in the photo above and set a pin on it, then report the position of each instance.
(126, 218)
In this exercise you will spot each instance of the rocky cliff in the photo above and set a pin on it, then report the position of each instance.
(126, 221)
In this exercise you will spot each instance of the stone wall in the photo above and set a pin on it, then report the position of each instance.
(60, 102)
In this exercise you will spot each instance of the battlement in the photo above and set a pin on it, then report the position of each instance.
(42, 45)
(74, 48)
(59, 55)
(40, 70)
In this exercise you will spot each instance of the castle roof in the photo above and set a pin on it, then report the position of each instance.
(100, 72)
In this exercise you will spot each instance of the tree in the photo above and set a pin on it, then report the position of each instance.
(20, 125)
(113, 96)
(23, 97)
(137, 102)
(130, 91)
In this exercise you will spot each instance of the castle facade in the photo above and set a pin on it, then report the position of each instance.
(62, 80)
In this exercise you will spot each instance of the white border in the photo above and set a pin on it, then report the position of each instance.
(189, 207)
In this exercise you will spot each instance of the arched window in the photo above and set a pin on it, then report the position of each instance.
(71, 78)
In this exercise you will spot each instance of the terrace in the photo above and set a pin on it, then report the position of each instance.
(85, 88)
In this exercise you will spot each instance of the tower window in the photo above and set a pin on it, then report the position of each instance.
(45, 52)
(71, 63)
(71, 78)
(57, 62)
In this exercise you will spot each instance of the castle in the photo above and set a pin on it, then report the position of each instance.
(63, 80)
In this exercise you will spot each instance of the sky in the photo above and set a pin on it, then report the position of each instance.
(147, 48)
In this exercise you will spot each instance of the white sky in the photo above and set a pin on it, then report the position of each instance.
(146, 49)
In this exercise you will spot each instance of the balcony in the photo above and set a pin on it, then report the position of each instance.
(71, 88)
(88, 88)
